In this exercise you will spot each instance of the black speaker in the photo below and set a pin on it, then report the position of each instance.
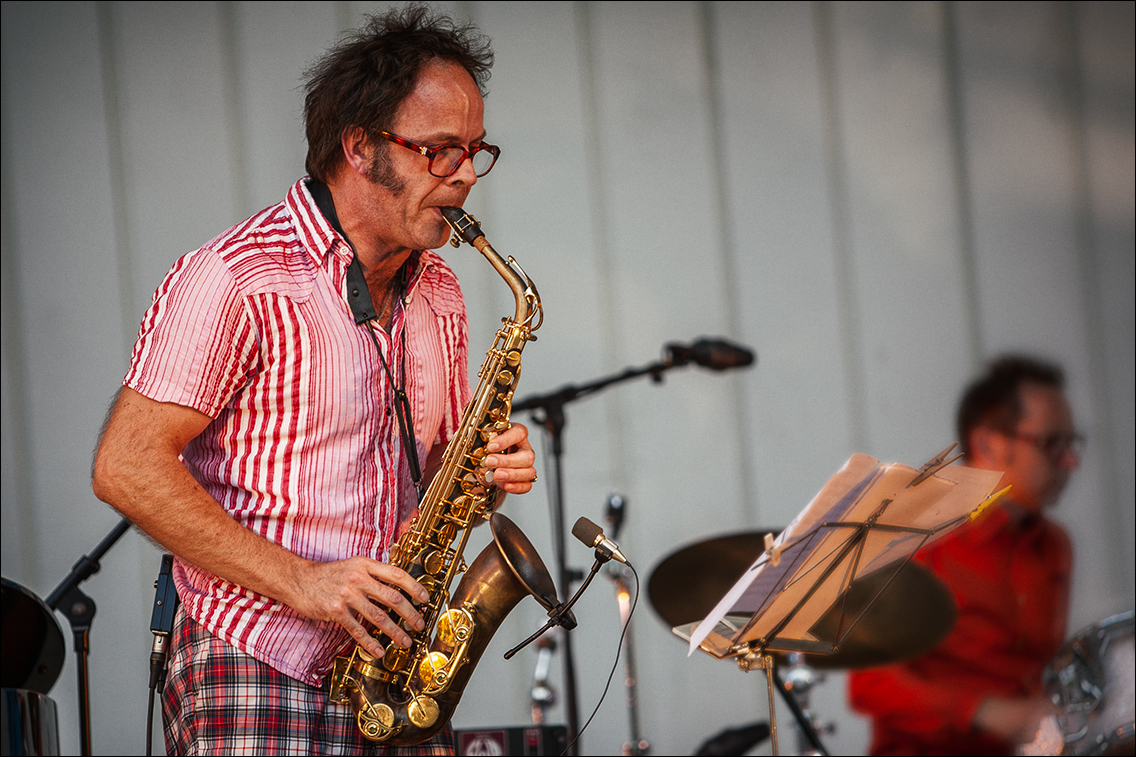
(521, 740)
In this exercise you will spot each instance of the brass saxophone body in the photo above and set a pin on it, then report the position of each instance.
(409, 695)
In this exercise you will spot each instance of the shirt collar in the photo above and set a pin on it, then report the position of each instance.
(313, 229)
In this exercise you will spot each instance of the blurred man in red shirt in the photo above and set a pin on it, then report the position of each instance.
(979, 692)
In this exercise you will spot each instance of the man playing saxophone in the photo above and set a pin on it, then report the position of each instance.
(271, 424)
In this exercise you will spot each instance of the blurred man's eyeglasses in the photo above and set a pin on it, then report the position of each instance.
(1054, 446)
(445, 160)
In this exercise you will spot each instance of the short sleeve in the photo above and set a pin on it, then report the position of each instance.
(197, 345)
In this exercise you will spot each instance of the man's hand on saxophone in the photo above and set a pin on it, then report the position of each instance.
(359, 588)
(511, 460)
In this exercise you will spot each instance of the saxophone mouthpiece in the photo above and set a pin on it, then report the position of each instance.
(464, 225)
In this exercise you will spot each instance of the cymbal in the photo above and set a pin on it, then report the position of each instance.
(910, 617)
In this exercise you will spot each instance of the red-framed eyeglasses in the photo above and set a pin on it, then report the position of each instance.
(446, 160)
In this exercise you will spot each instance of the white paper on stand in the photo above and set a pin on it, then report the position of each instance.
(767, 594)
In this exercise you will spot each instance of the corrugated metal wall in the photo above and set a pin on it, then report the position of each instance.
(877, 197)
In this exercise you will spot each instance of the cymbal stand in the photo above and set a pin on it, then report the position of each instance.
(615, 512)
(798, 683)
(543, 694)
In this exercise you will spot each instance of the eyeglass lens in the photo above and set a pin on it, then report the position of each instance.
(448, 159)
(1058, 444)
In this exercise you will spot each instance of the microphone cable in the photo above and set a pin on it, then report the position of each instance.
(615, 665)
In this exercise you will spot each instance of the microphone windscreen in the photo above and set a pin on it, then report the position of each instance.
(719, 354)
(586, 531)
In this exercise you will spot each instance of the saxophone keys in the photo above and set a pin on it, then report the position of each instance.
(376, 722)
(455, 627)
(423, 712)
(433, 562)
(431, 665)
(395, 659)
(339, 674)
(505, 378)
(513, 358)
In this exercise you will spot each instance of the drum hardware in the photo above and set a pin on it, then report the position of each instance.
(547, 410)
(734, 740)
(618, 574)
(919, 613)
(1090, 681)
(796, 685)
(543, 692)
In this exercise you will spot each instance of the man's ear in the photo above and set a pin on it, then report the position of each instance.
(357, 150)
(987, 445)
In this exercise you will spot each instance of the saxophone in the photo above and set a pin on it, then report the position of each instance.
(408, 695)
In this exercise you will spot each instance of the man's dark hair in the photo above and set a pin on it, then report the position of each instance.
(994, 400)
(362, 81)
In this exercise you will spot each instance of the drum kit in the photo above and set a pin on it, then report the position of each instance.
(1090, 680)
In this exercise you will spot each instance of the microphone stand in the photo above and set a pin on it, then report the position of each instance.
(79, 609)
(551, 417)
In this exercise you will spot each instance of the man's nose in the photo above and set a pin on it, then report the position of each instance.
(465, 173)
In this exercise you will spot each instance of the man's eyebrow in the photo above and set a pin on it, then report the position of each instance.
(446, 138)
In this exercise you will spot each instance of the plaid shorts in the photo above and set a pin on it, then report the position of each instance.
(219, 700)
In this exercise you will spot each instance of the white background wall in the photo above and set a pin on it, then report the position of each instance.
(877, 197)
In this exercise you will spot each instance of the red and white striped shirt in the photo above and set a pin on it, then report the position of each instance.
(254, 330)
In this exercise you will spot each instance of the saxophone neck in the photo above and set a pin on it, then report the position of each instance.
(530, 312)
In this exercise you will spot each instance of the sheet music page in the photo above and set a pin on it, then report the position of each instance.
(837, 495)
(771, 593)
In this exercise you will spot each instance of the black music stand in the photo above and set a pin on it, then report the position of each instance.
(806, 592)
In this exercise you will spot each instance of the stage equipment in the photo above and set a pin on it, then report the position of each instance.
(1091, 681)
(539, 740)
(79, 609)
(32, 659)
(810, 588)
(918, 612)
(410, 694)
(619, 574)
(548, 411)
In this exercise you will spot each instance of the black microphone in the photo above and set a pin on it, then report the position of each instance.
(613, 516)
(593, 536)
(715, 354)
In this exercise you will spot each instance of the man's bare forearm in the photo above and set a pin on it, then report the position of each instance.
(138, 472)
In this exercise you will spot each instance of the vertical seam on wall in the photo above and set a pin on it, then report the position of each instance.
(15, 357)
(130, 311)
(1089, 269)
(233, 98)
(727, 254)
(344, 17)
(835, 165)
(487, 284)
(960, 157)
(593, 173)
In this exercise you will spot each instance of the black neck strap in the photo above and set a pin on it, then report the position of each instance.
(358, 296)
